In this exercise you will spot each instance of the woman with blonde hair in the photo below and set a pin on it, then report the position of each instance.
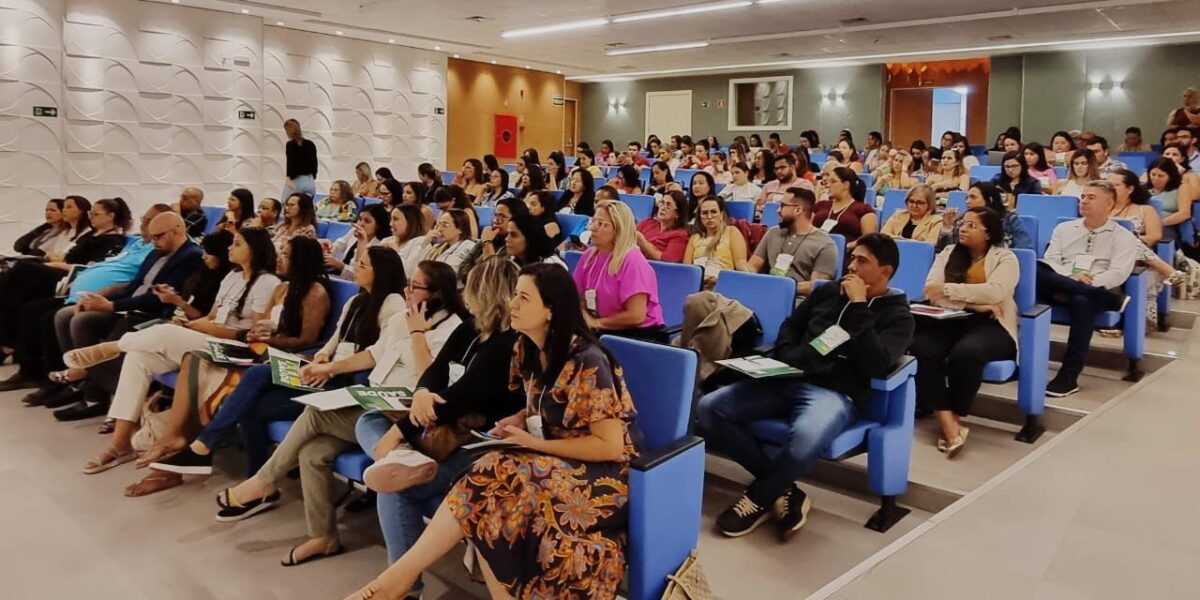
(1083, 169)
(950, 176)
(919, 221)
(619, 289)
(365, 186)
(894, 174)
(716, 245)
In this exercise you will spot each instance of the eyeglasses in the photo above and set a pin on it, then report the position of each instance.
(413, 286)
(915, 202)
(598, 224)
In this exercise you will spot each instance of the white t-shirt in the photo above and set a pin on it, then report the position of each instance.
(395, 363)
(740, 192)
(230, 293)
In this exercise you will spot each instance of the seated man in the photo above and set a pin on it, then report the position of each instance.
(796, 248)
(845, 334)
(96, 318)
(188, 206)
(1086, 264)
(1107, 164)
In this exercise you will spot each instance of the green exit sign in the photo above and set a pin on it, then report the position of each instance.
(246, 114)
(45, 111)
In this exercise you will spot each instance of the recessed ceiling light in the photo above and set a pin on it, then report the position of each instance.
(528, 67)
(245, 11)
(658, 48)
(174, 1)
(568, 26)
(455, 56)
(558, 71)
(279, 23)
(339, 32)
(493, 62)
(686, 10)
(437, 47)
(391, 40)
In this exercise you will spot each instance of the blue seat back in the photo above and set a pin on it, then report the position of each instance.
(916, 258)
(1137, 162)
(984, 172)
(448, 178)
(1031, 226)
(485, 214)
(770, 215)
(957, 199)
(214, 214)
(569, 223)
(1048, 210)
(684, 177)
(340, 292)
(840, 241)
(599, 182)
(1026, 293)
(571, 257)
(770, 297)
(893, 201)
(569, 161)
(661, 380)
(510, 167)
(720, 186)
(867, 180)
(675, 282)
(818, 158)
(332, 230)
(740, 209)
(641, 205)
(645, 174)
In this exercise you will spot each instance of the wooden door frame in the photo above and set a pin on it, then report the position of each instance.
(575, 133)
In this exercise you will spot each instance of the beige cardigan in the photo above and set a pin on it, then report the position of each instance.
(927, 229)
(1002, 271)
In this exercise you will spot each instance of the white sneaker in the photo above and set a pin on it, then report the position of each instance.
(401, 469)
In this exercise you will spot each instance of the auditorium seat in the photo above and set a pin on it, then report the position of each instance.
(641, 205)
(740, 209)
(213, 214)
(769, 296)
(893, 202)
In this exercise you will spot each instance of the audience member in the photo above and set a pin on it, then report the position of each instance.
(796, 248)
(587, 162)
(845, 211)
(950, 175)
(474, 182)
(365, 186)
(267, 216)
(1062, 146)
(1039, 166)
(1104, 163)
(1187, 115)
(1133, 205)
(717, 245)
(299, 220)
(850, 154)
(452, 197)
(414, 193)
(491, 239)
(741, 188)
(301, 167)
(986, 195)
(239, 209)
(1133, 141)
(1014, 178)
(702, 186)
(373, 226)
(188, 207)
(408, 235)
(451, 242)
(664, 234)
(719, 168)
(526, 242)
(339, 205)
(634, 152)
(962, 146)
(919, 220)
(763, 171)
(1083, 169)
(660, 178)
(845, 334)
(540, 205)
(496, 190)
(894, 174)
(54, 235)
(628, 180)
(774, 190)
(579, 198)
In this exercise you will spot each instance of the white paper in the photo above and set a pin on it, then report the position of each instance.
(329, 400)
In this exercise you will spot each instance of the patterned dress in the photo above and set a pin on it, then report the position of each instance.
(552, 527)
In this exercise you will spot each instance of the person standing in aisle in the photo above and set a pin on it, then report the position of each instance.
(301, 161)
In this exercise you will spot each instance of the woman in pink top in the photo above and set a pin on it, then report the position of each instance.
(616, 283)
(664, 236)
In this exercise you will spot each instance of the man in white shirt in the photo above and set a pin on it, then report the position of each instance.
(1108, 165)
(1085, 266)
(785, 177)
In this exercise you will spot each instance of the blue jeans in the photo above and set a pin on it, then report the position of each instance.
(817, 416)
(255, 402)
(303, 184)
(401, 515)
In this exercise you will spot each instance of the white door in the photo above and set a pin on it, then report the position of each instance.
(668, 113)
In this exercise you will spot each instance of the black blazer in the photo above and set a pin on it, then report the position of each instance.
(181, 266)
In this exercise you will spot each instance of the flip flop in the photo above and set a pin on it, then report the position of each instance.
(291, 561)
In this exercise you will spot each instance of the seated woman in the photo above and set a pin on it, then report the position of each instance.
(472, 179)
(415, 194)
(496, 190)
(491, 239)
(1083, 169)
(365, 186)
(894, 175)
(450, 197)
(295, 315)
(556, 172)
(741, 188)
(985, 195)
(580, 196)
(850, 154)
(845, 211)
(451, 242)
(1014, 178)
(373, 226)
(702, 186)
(979, 275)
(628, 180)
(1133, 205)
(963, 147)
(664, 235)
(526, 242)
(242, 299)
(239, 209)
(1039, 167)
(660, 178)
(53, 235)
(1191, 181)
(719, 168)
(1177, 208)
(574, 446)
(465, 387)
(408, 237)
(299, 220)
(587, 162)
(716, 245)
(931, 163)
(618, 285)
(339, 205)
(1061, 149)
(539, 205)
(919, 221)
(267, 216)
(949, 176)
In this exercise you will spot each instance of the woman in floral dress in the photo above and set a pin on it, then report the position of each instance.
(548, 516)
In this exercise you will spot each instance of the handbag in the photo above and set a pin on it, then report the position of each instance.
(440, 441)
(689, 582)
(153, 422)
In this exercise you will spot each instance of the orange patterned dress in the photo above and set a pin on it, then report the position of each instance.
(552, 527)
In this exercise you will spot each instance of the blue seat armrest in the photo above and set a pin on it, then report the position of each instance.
(907, 367)
(1033, 355)
(666, 489)
(1166, 251)
(1136, 287)
(1035, 312)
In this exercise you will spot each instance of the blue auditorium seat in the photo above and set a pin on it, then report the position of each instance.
(984, 172)
(770, 215)
(915, 260)
(893, 201)
(641, 205)
(740, 209)
(770, 297)
(675, 282)
(485, 215)
(1048, 210)
(213, 214)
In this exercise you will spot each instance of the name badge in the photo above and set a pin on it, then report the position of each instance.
(829, 224)
(344, 350)
(712, 267)
(832, 338)
(222, 315)
(782, 263)
(589, 297)
(456, 372)
(1083, 264)
(533, 424)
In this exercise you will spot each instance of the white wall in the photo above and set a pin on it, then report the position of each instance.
(149, 93)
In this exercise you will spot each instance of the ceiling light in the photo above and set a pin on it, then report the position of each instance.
(391, 40)
(279, 23)
(245, 11)
(455, 56)
(174, 1)
(339, 32)
(683, 10)
(962, 90)
(527, 67)
(659, 48)
(569, 26)
(558, 71)
(437, 47)
(493, 62)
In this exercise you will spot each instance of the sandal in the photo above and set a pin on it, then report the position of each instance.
(156, 481)
(107, 427)
(85, 358)
(291, 561)
(106, 460)
(958, 443)
(232, 511)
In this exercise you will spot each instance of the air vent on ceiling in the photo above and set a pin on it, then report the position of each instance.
(854, 21)
(479, 18)
(999, 38)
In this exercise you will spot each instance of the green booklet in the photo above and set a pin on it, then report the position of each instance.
(759, 366)
(392, 399)
(231, 352)
(285, 369)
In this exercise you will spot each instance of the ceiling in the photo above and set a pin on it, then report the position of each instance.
(779, 34)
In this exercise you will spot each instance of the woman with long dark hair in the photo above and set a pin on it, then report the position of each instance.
(496, 190)
(295, 316)
(580, 196)
(983, 194)
(1133, 205)
(299, 220)
(49, 235)
(664, 234)
(408, 235)
(845, 211)
(628, 180)
(660, 178)
(471, 178)
(556, 359)
(1039, 167)
(373, 226)
(763, 170)
(979, 275)
(452, 243)
(491, 239)
(239, 208)
(241, 301)
(415, 193)
(526, 242)
(1014, 178)
(541, 206)
(556, 171)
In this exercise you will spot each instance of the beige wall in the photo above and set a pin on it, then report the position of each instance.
(477, 91)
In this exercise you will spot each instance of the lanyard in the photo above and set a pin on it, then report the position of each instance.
(468, 353)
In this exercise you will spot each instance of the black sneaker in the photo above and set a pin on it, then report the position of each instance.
(79, 411)
(792, 509)
(742, 518)
(230, 514)
(1061, 386)
(186, 462)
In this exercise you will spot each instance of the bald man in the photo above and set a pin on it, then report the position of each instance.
(174, 260)
(188, 206)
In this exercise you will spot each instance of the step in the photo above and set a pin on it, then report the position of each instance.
(998, 402)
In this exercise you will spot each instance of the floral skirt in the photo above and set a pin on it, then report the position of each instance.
(548, 527)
